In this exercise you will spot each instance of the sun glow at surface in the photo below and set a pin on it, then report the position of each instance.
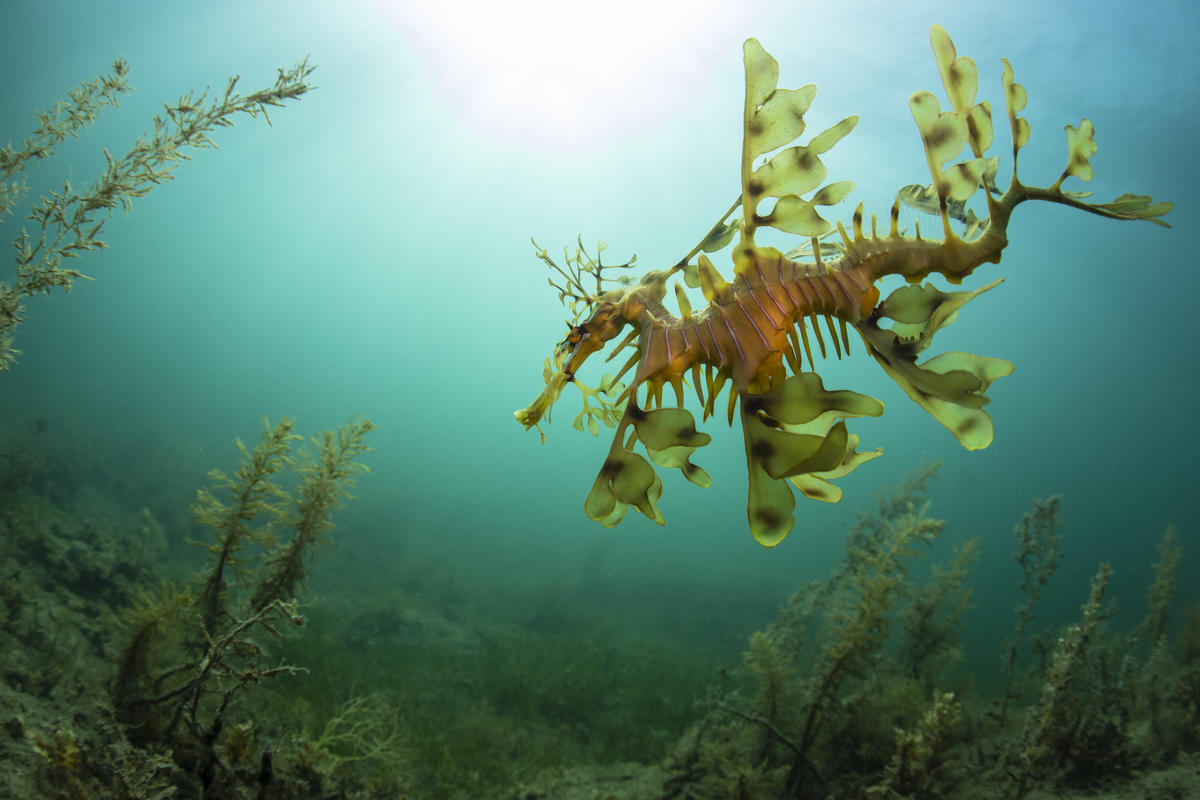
(565, 74)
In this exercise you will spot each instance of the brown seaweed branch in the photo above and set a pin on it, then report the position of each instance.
(68, 223)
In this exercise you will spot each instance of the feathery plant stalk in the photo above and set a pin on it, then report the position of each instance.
(1038, 551)
(54, 126)
(1049, 723)
(67, 223)
(189, 653)
(253, 493)
(1161, 595)
(859, 622)
(325, 477)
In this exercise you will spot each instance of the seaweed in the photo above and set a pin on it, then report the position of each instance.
(856, 689)
(1111, 701)
(67, 224)
(189, 653)
(1038, 543)
(1057, 726)
(931, 622)
(918, 768)
(829, 651)
(1161, 594)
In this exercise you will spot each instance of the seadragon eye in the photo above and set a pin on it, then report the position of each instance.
(576, 334)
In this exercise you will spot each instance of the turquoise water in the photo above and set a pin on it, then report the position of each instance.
(369, 254)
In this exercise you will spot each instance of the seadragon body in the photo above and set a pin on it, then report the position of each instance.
(758, 330)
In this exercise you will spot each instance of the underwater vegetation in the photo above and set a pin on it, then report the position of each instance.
(68, 223)
(226, 681)
(854, 690)
(756, 331)
(125, 673)
(189, 651)
(178, 657)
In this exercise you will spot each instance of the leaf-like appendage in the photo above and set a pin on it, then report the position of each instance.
(802, 400)
(711, 283)
(780, 119)
(960, 409)
(820, 486)
(773, 118)
(720, 236)
(960, 76)
(796, 215)
(944, 133)
(685, 305)
(979, 126)
(670, 438)
(626, 479)
(1137, 206)
(796, 170)
(921, 311)
(769, 506)
(1015, 98)
(962, 179)
(1081, 146)
(782, 454)
(951, 386)
(827, 138)
(795, 432)
(762, 73)
(833, 193)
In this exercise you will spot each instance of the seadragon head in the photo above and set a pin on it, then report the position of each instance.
(599, 315)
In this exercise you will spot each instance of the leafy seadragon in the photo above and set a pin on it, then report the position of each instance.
(757, 331)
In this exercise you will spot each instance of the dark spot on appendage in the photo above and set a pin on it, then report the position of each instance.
(972, 129)
(754, 188)
(761, 450)
(768, 517)
(611, 468)
(940, 135)
(636, 413)
(969, 424)
(752, 404)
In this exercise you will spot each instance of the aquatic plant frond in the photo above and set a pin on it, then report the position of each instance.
(68, 223)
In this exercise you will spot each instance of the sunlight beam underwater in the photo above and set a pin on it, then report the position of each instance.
(758, 330)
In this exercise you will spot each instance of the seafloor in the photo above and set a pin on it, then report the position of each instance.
(134, 664)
